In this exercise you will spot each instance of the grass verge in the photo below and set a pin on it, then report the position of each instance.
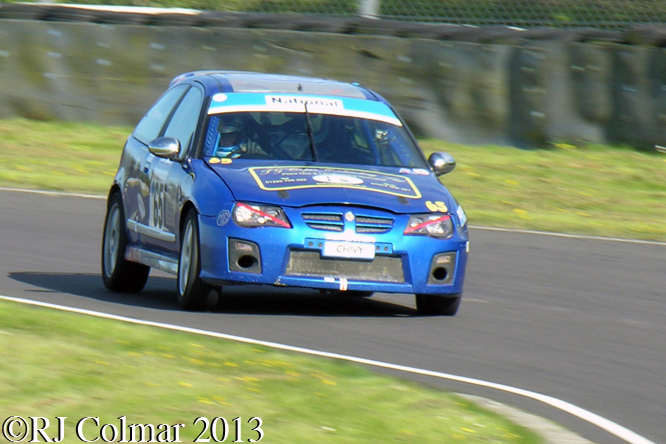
(591, 189)
(59, 364)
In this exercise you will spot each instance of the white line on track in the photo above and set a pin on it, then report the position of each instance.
(592, 418)
(570, 236)
(53, 193)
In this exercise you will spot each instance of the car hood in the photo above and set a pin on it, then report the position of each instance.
(400, 190)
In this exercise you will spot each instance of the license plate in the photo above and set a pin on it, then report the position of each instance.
(353, 250)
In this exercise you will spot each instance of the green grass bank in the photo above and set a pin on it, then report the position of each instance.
(57, 364)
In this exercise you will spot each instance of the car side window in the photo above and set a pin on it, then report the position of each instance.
(151, 125)
(184, 120)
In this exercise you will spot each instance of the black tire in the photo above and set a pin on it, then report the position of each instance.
(436, 305)
(119, 274)
(192, 291)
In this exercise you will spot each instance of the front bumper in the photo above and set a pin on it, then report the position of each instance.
(294, 257)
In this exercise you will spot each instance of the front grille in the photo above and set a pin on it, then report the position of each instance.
(380, 269)
(324, 221)
(366, 224)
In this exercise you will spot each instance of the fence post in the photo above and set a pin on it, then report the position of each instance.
(369, 8)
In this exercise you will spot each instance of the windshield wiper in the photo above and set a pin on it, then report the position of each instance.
(313, 150)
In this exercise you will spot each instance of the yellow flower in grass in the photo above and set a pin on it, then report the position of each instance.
(271, 364)
(185, 384)
(248, 379)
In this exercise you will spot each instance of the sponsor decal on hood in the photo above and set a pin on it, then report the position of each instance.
(301, 177)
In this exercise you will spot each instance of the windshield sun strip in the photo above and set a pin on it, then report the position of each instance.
(345, 113)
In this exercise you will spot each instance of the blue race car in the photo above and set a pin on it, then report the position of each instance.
(248, 178)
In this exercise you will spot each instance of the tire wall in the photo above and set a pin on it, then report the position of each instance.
(524, 93)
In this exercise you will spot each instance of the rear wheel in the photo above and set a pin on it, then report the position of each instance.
(436, 305)
(192, 291)
(119, 274)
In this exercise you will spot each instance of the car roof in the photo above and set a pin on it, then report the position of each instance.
(241, 81)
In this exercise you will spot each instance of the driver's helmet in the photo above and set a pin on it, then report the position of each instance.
(230, 136)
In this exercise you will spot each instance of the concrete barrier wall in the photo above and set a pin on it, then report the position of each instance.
(523, 93)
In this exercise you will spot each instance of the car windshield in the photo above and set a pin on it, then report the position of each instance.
(311, 137)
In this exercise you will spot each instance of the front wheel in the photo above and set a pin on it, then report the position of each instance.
(119, 274)
(436, 305)
(192, 291)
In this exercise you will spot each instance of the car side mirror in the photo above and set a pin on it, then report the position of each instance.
(166, 147)
(442, 163)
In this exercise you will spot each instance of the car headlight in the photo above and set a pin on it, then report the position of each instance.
(247, 215)
(434, 225)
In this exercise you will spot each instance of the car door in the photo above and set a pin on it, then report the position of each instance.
(169, 178)
(138, 161)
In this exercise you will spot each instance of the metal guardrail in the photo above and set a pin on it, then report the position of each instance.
(645, 35)
(471, 85)
(528, 14)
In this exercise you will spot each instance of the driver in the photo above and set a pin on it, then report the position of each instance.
(233, 141)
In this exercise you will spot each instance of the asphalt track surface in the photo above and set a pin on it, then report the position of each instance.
(580, 320)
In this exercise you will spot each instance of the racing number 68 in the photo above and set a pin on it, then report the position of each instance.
(212, 428)
(157, 201)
